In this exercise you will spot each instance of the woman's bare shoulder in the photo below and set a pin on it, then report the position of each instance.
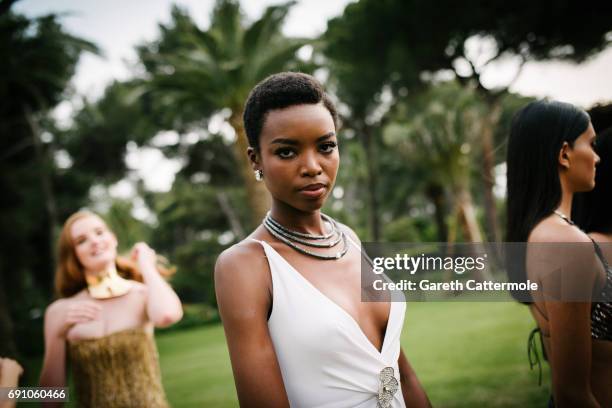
(59, 305)
(562, 255)
(240, 254)
(554, 229)
(243, 263)
(56, 307)
(243, 283)
(349, 231)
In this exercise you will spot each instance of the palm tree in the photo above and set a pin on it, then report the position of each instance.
(438, 137)
(38, 60)
(195, 73)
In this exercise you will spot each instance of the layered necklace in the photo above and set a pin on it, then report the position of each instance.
(292, 238)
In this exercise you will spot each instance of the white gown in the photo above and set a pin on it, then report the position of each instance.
(325, 359)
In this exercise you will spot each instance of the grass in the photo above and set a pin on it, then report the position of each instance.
(196, 368)
(466, 354)
(473, 354)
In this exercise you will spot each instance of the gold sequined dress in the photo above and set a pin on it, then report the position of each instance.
(118, 370)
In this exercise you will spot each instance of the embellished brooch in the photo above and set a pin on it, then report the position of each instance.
(387, 387)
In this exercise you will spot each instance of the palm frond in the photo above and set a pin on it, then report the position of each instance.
(265, 30)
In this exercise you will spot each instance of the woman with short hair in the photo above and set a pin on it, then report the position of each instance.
(289, 294)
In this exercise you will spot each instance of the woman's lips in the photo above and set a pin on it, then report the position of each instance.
(313, 190)
(98, 252)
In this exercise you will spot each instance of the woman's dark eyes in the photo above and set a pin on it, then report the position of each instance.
(328, 147)
(288, 152)
(285, 153)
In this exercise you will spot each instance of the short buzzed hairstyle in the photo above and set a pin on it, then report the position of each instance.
(281, 91)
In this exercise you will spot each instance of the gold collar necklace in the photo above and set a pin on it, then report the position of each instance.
(107, 284)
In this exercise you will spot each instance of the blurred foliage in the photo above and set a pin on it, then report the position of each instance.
(406, 38)
(129, 230)
(194, 315)
(193, 74)
(96, 140)
(204, 71)
(212, 160)
(391, 49)
(411, 229)
(191, 231)
(446, 123)
(33, 80)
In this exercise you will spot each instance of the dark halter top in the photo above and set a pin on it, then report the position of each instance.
(601, 311)
(601, 315)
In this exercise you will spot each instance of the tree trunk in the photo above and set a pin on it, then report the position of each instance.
(435, 193)
(488, 163)
(369, 145)
(7, 341)
(230, 214)
(257, 195)
(467, 216)
(491, 225)
(491, 228)
(471, 231)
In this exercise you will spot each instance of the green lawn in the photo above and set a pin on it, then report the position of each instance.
(466, 355)
(473, 354)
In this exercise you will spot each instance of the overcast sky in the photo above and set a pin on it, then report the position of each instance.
(117, 25)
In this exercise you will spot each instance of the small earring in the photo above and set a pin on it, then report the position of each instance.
(258, 175)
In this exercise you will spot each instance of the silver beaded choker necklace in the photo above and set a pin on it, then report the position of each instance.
(292, 238)
(564, 217)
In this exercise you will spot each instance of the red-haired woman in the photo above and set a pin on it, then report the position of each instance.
(103, 320)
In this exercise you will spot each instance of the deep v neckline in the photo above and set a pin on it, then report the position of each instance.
(336, 306)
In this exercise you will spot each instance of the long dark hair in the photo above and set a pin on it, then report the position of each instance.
(592, 211)
(534, 188)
